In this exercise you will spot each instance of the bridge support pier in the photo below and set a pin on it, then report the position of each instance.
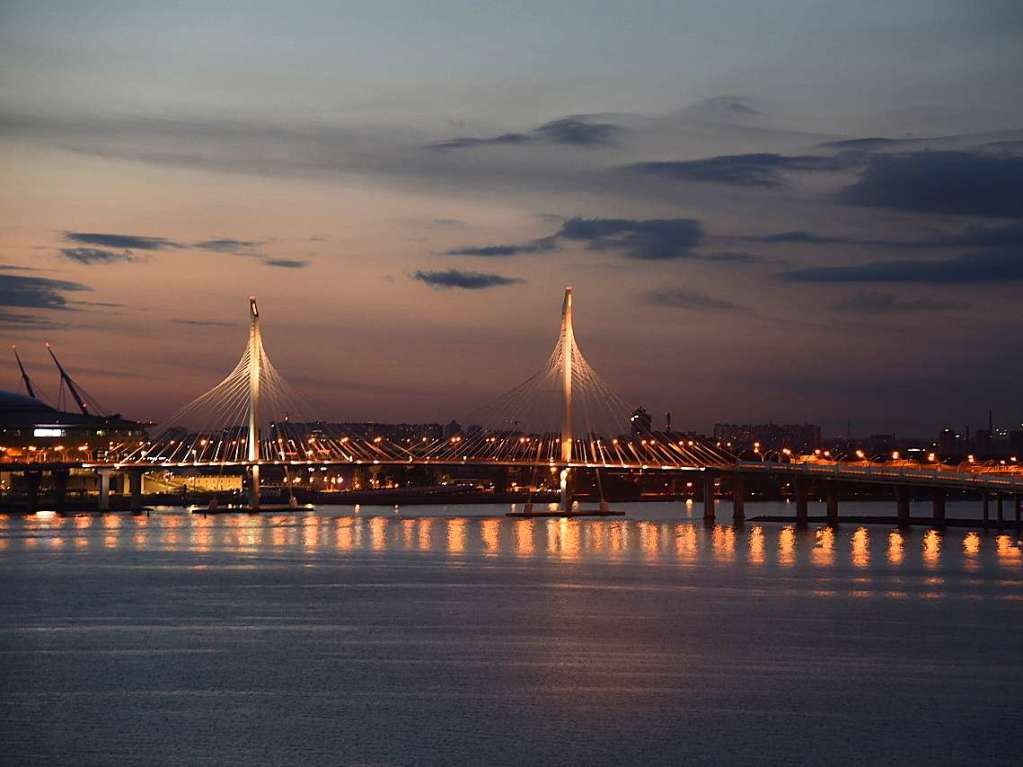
(832, 503)
(987, 510)
(708, 497)
(254, 487)
(800, 488)
(938, 508)
(999, 511)
(135, 488)
(903, 495)
(738, 499)
(1016, 503)
(565, 484)
(103, 485)
(60, 478)
(32, 479)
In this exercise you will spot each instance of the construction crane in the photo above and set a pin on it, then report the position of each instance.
(24, 375)
(67, 381)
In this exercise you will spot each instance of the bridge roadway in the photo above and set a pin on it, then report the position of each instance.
(982, 478)
(986, 480)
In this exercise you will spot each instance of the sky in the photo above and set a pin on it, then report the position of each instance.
(793, 211)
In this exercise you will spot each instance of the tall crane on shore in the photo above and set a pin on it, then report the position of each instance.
(24, 376)
(73, 388)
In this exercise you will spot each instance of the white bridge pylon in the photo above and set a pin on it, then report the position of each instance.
(255, 354)
(568, 353)
(230, 424)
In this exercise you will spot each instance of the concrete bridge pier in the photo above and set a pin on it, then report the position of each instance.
(738, 499)
(903, 495)
(60, 478)
(999, 511)
(987, 510)
(832, 503)
(938, 506)
(800, 489)
(566, 491)
(32, 479)
(135, 490)
(103, 485)
(1016, 503)
(708, 497)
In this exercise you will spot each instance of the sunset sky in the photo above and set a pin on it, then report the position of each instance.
(798, 211)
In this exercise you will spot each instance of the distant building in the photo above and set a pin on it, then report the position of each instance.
(802, 438)
(1016, 442)
(641, 421)
(880, 444)
(28, 425)
(982, 442)
(948, 443)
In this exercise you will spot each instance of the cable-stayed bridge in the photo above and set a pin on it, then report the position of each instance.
(565, 418)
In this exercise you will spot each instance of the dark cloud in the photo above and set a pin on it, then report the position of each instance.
(642, 239)
(16, 268)
(464, 142)
(866, 144)
(731, 257)
(103, 304)
(576, 132)
(204, 323)
(648, 240)
(129, 242)
(27, 322)
(123, 241)
(96, 255)
(494, 251)
(454, 278)
(36, 292)
(1006, 146)
(992, 266)
(963, 183)
(245, 248)
(1008, 236)
(760, 169)
(798, 238)
(570, 131)
(683, 298)
(873, 303)
(227, 245)
(723, 107)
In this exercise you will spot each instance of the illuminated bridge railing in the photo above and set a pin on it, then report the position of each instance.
(963, 475)
(654, 451)
(649, 452)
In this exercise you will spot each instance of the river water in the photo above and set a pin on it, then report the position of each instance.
(433, 635)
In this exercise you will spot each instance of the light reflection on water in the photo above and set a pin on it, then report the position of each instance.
(444, 636)
(861, 547)
(660, 538)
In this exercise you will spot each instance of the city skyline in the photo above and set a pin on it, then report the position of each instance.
(764, 228)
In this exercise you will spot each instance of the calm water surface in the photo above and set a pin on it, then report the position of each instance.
(458, 636)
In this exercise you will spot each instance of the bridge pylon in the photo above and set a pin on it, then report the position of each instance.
(255, 357)
(567, 352)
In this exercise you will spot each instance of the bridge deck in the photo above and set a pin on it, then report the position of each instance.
(987, 479)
